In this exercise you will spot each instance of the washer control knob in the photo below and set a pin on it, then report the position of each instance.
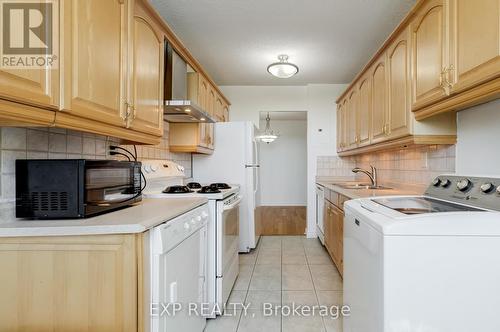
(487, 187)
(446, 183)
(463, 185)
(436, 182)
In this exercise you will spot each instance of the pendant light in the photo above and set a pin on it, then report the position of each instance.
(282, 69)
(269, 135)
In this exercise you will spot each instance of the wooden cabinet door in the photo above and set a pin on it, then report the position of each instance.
(399, 81)
(72, 283)
(474, 42)
(337, 220)
(96, 49)
(211, 101)
(327, 214)
(339, 127)
(428, 37)
(344, 128)
(210, 135)
(219, 108)
(352, 121)
(364, 110)
(225, 112)
(147, 76)
(379, 118)
(37, 87)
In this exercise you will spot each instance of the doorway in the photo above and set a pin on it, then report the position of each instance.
(283, 174)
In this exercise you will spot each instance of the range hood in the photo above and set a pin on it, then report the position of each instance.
(177, 108)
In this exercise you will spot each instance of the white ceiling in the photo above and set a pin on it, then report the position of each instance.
(289, 116)
(235, 40)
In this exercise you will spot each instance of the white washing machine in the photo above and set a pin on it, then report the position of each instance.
(426, 263)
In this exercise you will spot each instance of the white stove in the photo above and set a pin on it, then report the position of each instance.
(425, 263)
(165, 180)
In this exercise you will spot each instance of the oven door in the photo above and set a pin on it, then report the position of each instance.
(227, 229)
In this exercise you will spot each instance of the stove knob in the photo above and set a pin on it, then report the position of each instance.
(464, 185)
(487, 187)
(193, 221)
(436, 182)
(198, 219)
(147, 168)
(446, 183)
(154, 168)
(204, 215)
(186, 226)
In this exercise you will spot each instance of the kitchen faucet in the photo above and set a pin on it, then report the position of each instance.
(372, 175)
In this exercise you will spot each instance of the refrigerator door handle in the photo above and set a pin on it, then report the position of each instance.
(252, 166)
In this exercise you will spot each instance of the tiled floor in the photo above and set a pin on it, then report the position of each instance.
(283, 270)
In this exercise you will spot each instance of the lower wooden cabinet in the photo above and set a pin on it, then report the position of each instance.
(71, 283)
(334, 232)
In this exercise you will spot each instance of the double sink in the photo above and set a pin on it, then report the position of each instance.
(366, 186)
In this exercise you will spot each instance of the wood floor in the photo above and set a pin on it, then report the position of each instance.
(282, 220)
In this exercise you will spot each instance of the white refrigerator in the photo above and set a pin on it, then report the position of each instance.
(235, 161)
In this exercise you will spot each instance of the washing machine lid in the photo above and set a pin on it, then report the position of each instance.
(421, 205)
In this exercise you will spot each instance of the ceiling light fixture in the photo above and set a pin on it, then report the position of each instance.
(282, 69)
(269, 135)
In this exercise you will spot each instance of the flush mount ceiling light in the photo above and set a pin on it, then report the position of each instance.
(269, 135)
(282, 69)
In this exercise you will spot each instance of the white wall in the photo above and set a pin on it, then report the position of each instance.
(478, 135)
(284, 165)
(317, 99)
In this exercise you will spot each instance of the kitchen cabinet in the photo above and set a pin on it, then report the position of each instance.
(225, 112)
(38, 87)
(444, 56)
(379, 116)
(71, 283)
(96, 42)
(110, 77)
(429, 60)
(219, 108)
(191, 137)
(398, 121)
(364, 110)
(352, 120)
(147, 74)
(474, 43)
(333, 222)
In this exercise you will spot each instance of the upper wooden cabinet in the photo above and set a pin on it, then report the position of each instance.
(364, 110)
(110, 77)
(379, 114)
(147, 75)
(38, 87)
(444, 56)
(474, 42)
(352, 119)
(96, 47)
(429, 62)
(398, 121)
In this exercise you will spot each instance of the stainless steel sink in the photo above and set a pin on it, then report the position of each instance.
(361, 186)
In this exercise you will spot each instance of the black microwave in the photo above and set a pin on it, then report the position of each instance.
(75, 188)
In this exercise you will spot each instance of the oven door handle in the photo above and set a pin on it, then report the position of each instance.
(233, 204)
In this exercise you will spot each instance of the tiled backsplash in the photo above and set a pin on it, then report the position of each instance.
(55, 143)
(410, 166)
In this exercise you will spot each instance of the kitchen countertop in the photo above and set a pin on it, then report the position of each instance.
(134, 219)
(362, 193)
